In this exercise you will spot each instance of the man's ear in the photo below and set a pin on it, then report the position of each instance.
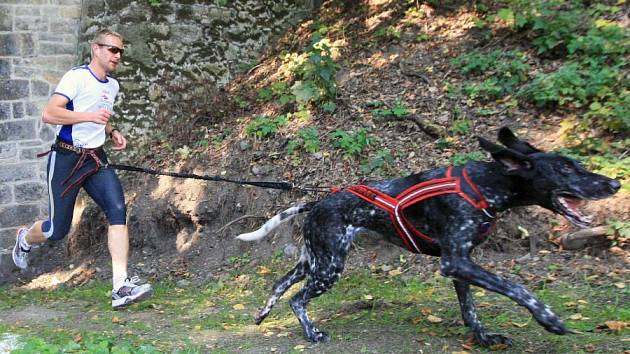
(507, 138)
(513, 161)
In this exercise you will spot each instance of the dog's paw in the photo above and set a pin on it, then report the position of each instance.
(259, 317)
(556, 326)
(317, 336)
(494, 340)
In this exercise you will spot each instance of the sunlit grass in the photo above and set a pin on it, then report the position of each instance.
(180, 317)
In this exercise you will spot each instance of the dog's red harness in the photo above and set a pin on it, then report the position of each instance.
(414, 240)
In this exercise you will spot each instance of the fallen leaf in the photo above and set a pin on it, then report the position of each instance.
(239, 307)
(620, 285)
(263, 270)
(434, 319)
(615, 326)
(198, 328)
(115, 319)
(368, 297)
(299, 347)
(78, 338)
(498, 346)
(589, 348)
(460, 352)
(426, 311)
(519, 325)
(576, 317)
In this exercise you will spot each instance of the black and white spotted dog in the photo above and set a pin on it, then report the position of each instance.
(520, 175)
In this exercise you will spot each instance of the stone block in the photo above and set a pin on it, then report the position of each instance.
(30, 192)
(17, 44)
(6, 21)
(64, 25)
(46, 133)
(7, 240)
(66, 2)
(17, 130)
(18, 110)
(51, 48)
(40, 88)
(25, 72)
(14, 89)
(5, 111)
(6, 194)
(27, 11)
(72, 12)
(30, 153)
(8, 151)
(18, 172)
(17, 215)
(35, 108)
(5, 68)
(30, 23)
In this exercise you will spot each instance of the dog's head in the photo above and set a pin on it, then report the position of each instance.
(550, 180)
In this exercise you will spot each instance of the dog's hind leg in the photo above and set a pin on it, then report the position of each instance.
(315, 286)
(283, 284)
(328, 257)
(469, 314)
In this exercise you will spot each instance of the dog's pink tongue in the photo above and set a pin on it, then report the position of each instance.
(573, 203)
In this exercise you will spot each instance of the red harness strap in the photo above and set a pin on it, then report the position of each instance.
(396, 206)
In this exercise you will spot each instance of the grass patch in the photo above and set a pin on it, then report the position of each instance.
(183, 319)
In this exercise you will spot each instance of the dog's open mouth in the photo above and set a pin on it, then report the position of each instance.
(568, 205)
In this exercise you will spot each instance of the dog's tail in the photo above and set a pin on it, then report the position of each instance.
(275, 222)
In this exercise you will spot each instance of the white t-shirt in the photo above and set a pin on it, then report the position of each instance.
(86, 93)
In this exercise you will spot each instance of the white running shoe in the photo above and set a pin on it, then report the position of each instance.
(20, 255)
(130, 292)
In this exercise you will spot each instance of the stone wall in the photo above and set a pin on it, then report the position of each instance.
(38, 43)
(177, 51)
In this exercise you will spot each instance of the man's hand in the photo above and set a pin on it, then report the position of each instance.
(100, 117)
(119, 140)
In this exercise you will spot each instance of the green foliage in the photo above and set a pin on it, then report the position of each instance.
(460, 126)
(388, 32)
(329, 107)
(97, 345)
(619, 230)
(551, 23)
(265, 95)
(155, 3)
(461, 158)
(398, 110)
(593, 76)
(574, 83)
(221, 3)
(613, 114)
(263, 127)
(351, 144)
(240, 102)
(504, 71)
(317, 72)
(381, 159)
(308, 138)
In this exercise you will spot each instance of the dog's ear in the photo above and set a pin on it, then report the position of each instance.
(507, 138)
(513, 161)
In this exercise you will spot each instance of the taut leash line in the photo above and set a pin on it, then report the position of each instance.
(273, 185)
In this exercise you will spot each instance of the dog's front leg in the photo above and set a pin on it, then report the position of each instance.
(465, 270)
(469, 314)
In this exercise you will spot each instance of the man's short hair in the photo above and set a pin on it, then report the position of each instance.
(100, 35)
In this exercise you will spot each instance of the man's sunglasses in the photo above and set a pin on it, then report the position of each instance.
(112, 48)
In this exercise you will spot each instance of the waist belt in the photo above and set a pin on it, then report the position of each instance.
(414, 240)
(84, 154)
